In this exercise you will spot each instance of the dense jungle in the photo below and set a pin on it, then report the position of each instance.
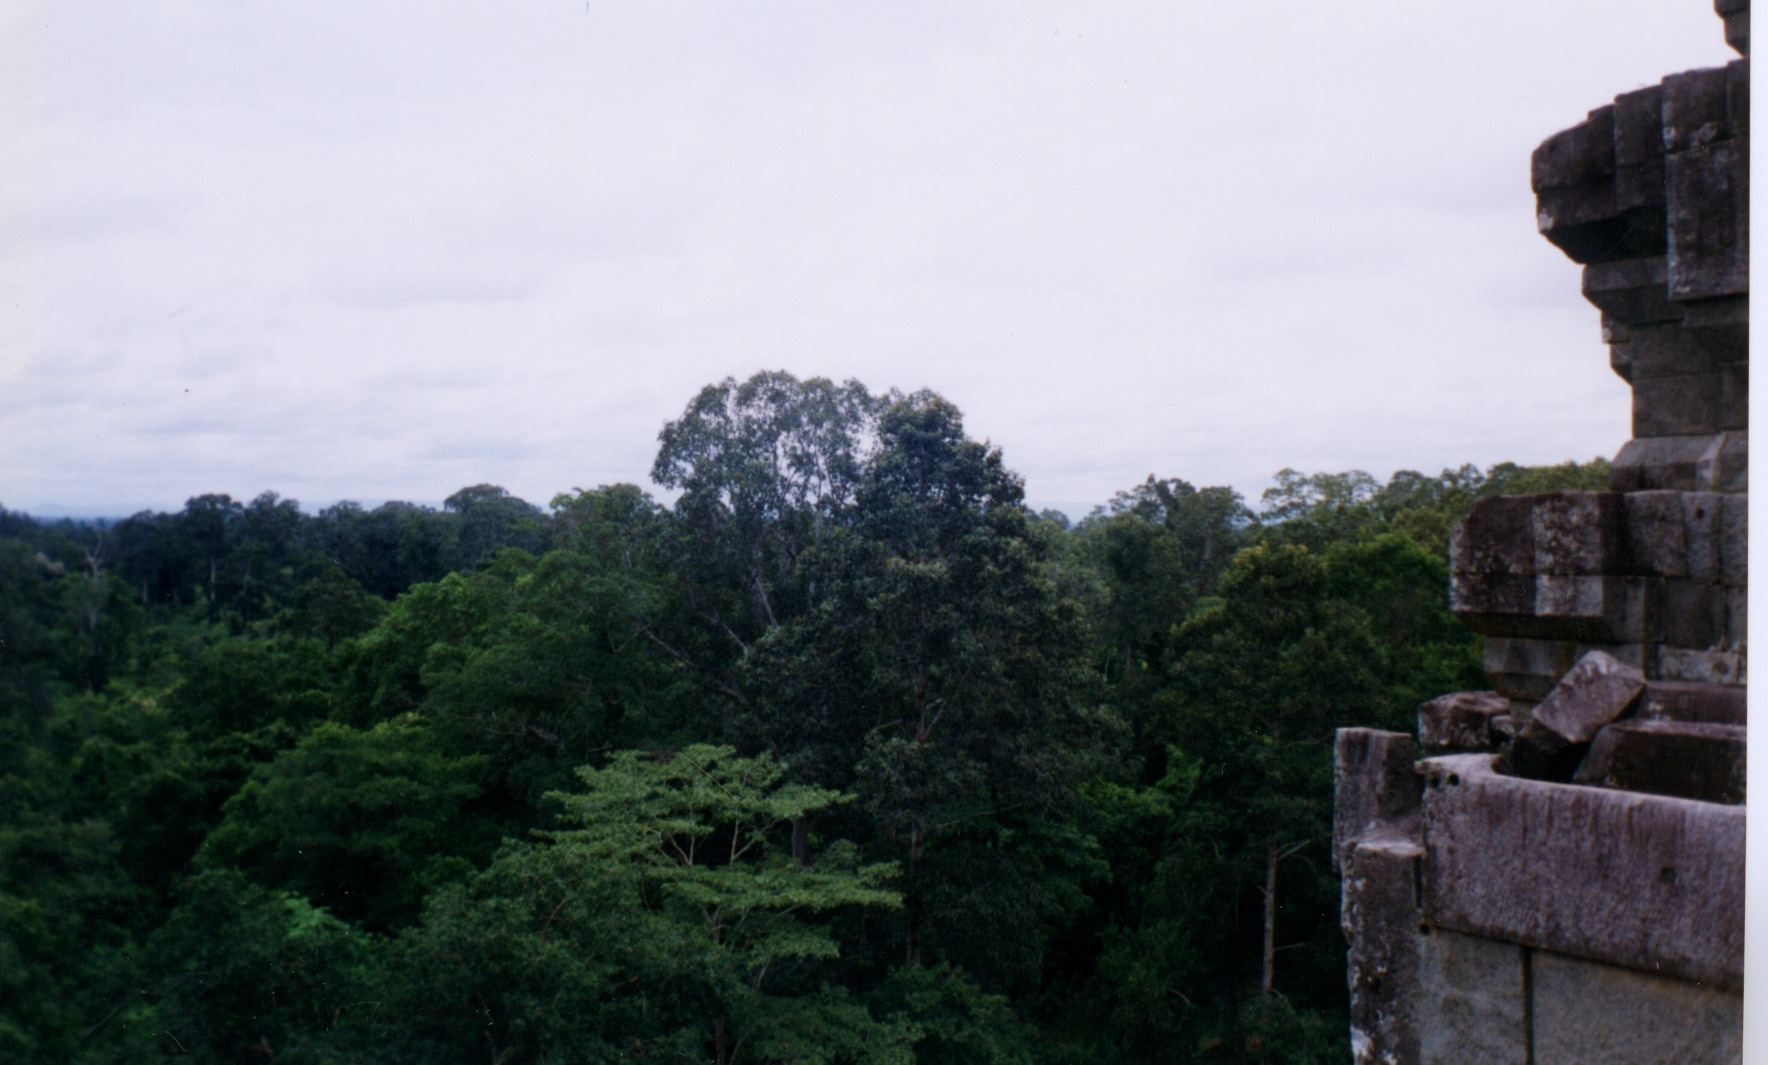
(841, 755)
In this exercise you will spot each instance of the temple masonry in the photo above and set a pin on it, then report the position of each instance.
(1552, 871)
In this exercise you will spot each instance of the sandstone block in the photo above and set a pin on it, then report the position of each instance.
(1737, 618)
(1479, 594)
(1693, 760)
(1710, 667)
(1379, 914)
(1734, 396)
(1690, 701)
(1721, 325)
(1702, 521)
(1585, 1012)
(1472, 1002)
(1633, 292)
(1725, 465)
(1375, 784)
(1668, 350)
(1680, 405)
(1527, 669)
(1656, 544)
(1694, 614)
(1496, 536)
(1708, 215)
(1463, 721)
(1649, 882)
(1576, 533)
(1639, 126)
(1597, 690)
(1581, 155)
(1696, 108)
(1734, 540)
(1659, 463)
(1737, 94)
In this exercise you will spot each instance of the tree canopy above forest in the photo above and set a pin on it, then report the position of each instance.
(844, 756)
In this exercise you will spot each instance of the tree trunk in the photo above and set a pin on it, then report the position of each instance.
(1271, 860)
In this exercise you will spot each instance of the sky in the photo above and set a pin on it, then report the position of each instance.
(355, 251)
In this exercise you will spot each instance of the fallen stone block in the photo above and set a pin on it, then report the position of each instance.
(1597, 690)
(1692, 760)
(1648, 882)
(1462, 721)
(1375, 784)
(1694, 702)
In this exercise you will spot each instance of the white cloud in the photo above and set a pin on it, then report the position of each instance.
(396, 249)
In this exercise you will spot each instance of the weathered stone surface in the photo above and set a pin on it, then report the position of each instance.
(1599, 689)
(1599, 609)
(1681, 405)
(1694, 614)
(1696, 108)
(1667, 350)
(1581, 155)
(1725, 465)
(1737, 617)
(1643, 881)
(1576, 533)
(1680, 700)
(1656, 542)
(1712, 667)
(1527, 669)
(1496, 536)
(1632, 292)
(1721, 325)
(1734, 541)
(1692, 760)
(1665, 462)
(1585, 1012)
(1477, 595)
(1375, 784)
(1380, 920)
(1462, 721)
(1702, 516)
(1708, 211)
(1734, 396)
(1472, 1002)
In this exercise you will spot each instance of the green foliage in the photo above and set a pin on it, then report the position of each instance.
(662, 918)
(996, 789)
(360, 821)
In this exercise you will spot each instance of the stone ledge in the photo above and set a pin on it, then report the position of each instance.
(1646, 882)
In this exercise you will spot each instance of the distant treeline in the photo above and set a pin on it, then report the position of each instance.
(846, 756)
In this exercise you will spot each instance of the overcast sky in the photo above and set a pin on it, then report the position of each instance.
(372, 251)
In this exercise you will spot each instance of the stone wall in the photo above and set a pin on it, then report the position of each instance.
(1552, 871)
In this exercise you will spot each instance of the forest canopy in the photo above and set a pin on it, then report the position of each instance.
(846, 755)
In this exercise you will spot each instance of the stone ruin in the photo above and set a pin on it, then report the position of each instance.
(1552, 871)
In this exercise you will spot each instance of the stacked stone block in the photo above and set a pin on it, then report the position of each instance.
(1560, 877)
